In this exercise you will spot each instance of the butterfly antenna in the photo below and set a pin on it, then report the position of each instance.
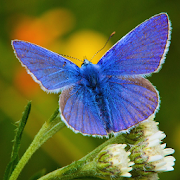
(112, 34)
(64, 55)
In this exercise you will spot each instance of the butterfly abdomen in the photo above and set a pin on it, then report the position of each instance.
(104, 111)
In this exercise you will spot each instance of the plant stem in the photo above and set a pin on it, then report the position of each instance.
(74, 170)
(48, 129)
(84, 167)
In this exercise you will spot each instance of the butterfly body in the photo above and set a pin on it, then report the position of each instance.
(112, 95)
(96, 84)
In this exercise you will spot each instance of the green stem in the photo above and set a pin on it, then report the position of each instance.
(74, 170)
(83, 167)
(48, 129)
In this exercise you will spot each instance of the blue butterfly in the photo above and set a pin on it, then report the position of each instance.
(112, 95)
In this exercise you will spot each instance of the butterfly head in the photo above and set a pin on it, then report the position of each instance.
(85, 62)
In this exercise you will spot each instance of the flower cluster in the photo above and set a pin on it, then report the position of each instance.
(151, 149)
(145, 158)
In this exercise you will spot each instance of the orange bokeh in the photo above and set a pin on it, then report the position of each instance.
(44, 29)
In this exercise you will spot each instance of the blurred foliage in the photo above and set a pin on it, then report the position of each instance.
(79, 29)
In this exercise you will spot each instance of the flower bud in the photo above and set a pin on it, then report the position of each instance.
(113, 160)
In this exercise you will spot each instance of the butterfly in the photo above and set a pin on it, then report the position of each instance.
(112, 95)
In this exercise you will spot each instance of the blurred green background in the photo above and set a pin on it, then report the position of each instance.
(79, 29)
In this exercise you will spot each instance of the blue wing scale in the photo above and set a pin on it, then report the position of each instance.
(89, 121)
(49, 69)
(141, 51)
(132, 100)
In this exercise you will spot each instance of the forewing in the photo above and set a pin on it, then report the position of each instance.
(131, 100)
(80, 112)
(141, 51)
(49, 69)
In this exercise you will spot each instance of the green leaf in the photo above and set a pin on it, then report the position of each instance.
(17, 141)
(53, 116)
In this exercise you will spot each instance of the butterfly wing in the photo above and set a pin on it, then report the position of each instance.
(141, 51)
(131, 100)
(49, 69)
(80, 112)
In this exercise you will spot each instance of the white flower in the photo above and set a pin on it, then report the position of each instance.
(153, 155)
(113, 160)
